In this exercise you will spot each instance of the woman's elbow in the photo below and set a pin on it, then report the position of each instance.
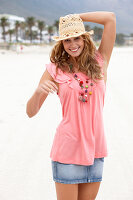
(113, 16)
(29, 113)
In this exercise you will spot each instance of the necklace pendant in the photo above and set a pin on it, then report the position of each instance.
(81, 83)
(84, 100)
(86, 86)
(84, 89)
(75, 76)
(80, 98)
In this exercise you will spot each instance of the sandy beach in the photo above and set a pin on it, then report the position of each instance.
(25, 143)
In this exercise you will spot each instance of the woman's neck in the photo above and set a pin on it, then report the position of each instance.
(73, 61)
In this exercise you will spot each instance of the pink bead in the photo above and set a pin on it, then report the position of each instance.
(80, 97)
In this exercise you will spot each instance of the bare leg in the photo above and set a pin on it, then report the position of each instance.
(88, 191)
(66, 191)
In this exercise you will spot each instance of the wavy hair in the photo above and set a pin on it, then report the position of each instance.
(86, 61)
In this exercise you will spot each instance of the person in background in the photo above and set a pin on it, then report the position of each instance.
(77, 72)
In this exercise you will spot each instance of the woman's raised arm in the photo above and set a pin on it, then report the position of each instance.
(108, 19)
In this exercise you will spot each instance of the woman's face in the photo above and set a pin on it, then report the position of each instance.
(74, 45)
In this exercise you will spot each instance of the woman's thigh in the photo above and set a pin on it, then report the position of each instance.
(66, 191)
(88, 191)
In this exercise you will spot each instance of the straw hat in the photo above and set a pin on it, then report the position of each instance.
(70, 26)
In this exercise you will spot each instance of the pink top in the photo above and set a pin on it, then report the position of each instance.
(79, 137)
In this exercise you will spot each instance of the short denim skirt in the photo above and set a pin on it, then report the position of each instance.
(74, 174)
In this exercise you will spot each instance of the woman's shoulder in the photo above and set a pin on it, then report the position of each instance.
(99, 58)
(53, 67)
(50, 65)
(57, 74)
(98, 55)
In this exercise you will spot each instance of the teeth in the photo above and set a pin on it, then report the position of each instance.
(74, 49)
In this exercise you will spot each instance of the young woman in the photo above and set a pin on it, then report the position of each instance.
(78, 73)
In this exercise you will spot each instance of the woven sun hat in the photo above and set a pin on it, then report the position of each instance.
(70, 26)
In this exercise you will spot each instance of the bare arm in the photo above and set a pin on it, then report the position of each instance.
(107, 19)
(33, 104)
(44, 87)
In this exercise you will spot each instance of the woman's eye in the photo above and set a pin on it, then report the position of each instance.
(76, 38)
(67, 40)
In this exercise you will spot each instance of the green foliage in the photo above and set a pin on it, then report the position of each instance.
(26, 30)
(87, 28)
(120, 39)
(3, 23)
(97, 33)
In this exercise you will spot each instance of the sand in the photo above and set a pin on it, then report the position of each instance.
(25, 143)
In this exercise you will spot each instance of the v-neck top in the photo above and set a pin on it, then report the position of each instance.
(80, 135)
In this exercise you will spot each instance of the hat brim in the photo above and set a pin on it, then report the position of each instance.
(58, 38)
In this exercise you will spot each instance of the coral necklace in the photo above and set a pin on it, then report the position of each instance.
(83, 93)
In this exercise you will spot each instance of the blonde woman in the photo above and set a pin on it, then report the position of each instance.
(77, 71)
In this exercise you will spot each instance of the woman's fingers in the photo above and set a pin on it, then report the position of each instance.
(46, 87)
(49, 86)
(53, 85)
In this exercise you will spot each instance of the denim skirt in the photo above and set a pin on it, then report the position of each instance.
(74, 174)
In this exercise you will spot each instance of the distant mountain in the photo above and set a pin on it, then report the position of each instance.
(51, 10)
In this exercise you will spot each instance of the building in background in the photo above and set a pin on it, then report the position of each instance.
(12, 20)
(21, 33)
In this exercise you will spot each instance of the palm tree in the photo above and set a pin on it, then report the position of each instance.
(17, 25)
(120, 40)
(87, 27)
(98, 32)
(3, 23)
(50, 31)
(56, 24)
(34, 34)
(27, 33)
(30, 23)
(41, 26)
(22, 29)
(10, 32)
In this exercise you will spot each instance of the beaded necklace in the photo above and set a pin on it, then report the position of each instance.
(83, 93)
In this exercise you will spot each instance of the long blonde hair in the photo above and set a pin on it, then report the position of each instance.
(87, 61)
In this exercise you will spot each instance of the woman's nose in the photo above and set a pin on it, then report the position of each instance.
(73, 43)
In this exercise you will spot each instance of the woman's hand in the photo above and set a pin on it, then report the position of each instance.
(46, 87)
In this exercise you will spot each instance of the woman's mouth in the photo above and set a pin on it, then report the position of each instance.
(74, 50)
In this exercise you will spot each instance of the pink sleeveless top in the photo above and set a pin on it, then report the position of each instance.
(80, 136)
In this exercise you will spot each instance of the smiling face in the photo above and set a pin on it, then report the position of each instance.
(74, 45)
